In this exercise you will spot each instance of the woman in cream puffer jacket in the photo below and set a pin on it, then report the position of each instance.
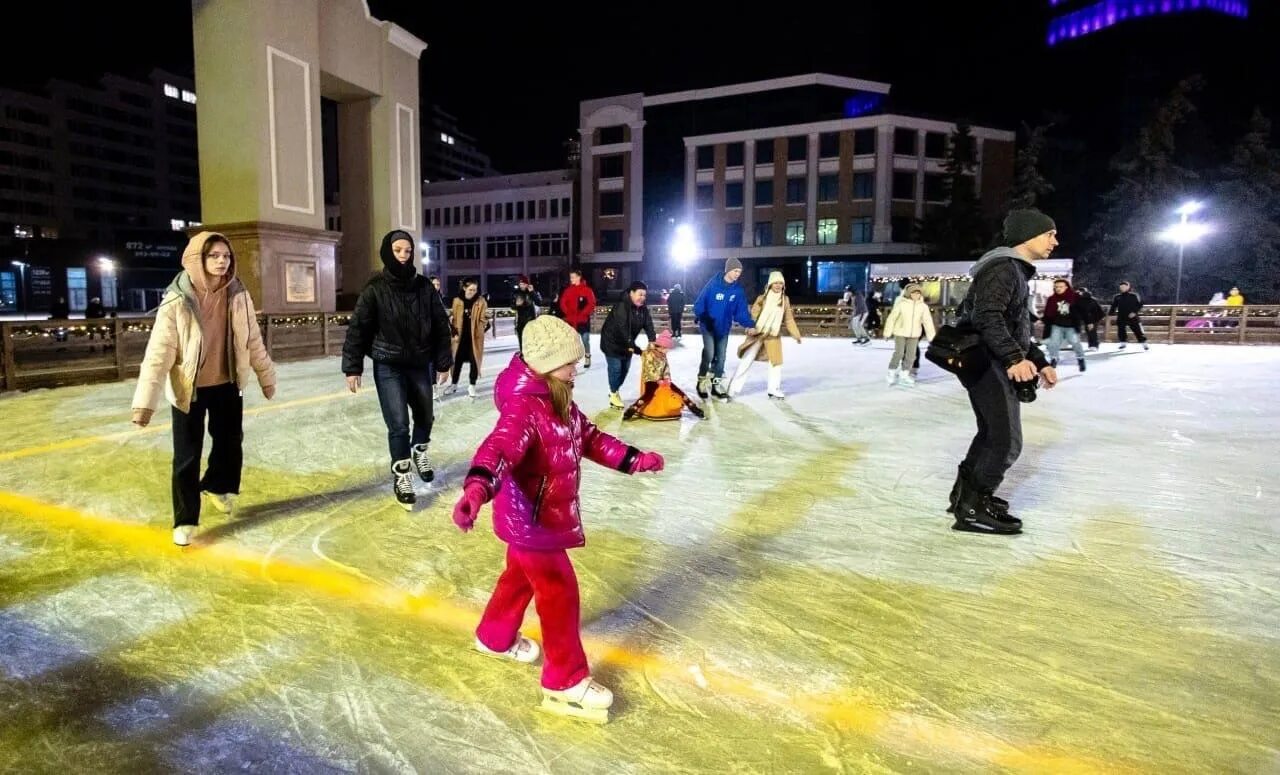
(204, 349)
(910, 317)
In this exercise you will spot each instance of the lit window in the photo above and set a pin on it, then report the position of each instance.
(189, 96)
(446, 139)
(171, 91)
(23, 232)
(177, 224)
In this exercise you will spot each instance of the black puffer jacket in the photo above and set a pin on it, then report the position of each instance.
(626, 321)
(399, 319)
(998, 306)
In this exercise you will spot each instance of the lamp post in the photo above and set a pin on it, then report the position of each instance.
(1183, 233)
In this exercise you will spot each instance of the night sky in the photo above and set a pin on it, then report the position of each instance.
(514, 80)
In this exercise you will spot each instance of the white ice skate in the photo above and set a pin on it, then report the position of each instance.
(223, 502)
(775, 383)
(891, 378)
(524, 651)
(907, 378)
(737, 384)
(471, 390)
(449, 389)
(182, 534)
(588, 701)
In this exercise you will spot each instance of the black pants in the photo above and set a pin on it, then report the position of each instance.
(999, 439)
(465, 354)
(1092, 331)
(404, 392)
(224, 408)
(1130, 323)
(677, 317)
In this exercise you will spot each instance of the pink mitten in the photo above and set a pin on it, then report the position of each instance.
(468, 506)
(648, 462)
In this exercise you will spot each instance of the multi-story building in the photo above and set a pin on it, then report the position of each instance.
(495, 229)
(806, 174)
(87, 173)
(448, 153)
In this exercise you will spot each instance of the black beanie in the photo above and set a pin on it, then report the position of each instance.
(1023, 225)
(637, 286)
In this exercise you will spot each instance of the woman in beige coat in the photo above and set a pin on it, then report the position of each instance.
(910, 317)
(469, 319)
(772, 313)
(204, 349)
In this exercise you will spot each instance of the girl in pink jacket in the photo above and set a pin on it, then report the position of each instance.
(529, 467)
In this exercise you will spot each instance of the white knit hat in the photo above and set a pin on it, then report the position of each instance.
(776, 277)
(550, 343)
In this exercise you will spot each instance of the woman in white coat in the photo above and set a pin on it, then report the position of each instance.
(205, 348)
(904, 325)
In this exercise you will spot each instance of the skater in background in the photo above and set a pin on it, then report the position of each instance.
(772, 313)
(627, 320)
(1235, 298)
(578, 304)
(874, 305)
(204, 347)
(468, 321)
(530, 467)
(1125, 306)
(1063, 320)
(659, 398)
(908, 320)
(847, 299)
(400, 323)
(858, 319)
(526, 302)
(722, 301)
(1091, 314)
(675, 309)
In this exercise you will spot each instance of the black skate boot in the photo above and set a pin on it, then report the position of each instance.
(402, 483)
(720, 389)
(704, 384)
(976, 512)
(1080, 363)
(423, 463)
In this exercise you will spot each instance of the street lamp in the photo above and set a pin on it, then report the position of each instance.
(684, 248)
(22, 286)
(1184, 232)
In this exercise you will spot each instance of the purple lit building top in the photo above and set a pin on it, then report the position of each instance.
(1109, 13)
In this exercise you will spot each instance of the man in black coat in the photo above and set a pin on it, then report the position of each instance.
(1091, 313)
(998, 308)
(675, 308)
(628, 319)
(1125, 306)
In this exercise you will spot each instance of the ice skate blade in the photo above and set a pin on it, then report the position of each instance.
(406, 506)
(962, 526)
(575, 711)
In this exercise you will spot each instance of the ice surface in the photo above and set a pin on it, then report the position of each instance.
(786, 597)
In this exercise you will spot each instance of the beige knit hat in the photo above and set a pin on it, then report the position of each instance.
(550, 343)
(776, 277)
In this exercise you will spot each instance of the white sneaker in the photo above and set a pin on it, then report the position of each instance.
(471, 390)
(524, 650)
(223, 502)
(182, 534)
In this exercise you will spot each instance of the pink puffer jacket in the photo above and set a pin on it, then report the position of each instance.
(530, 464)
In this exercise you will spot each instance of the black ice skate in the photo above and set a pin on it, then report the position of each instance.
(704, 383)
(976, 512)
(423, 463)
(719, 389)
(402, 483)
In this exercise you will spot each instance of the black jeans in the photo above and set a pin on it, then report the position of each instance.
(465, 354)
(1092, 331)
(677, 318)
(999, 439)
(404, 391)
(1130, 323)
(224, 407)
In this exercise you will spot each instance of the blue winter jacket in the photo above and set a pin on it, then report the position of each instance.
(720, 304)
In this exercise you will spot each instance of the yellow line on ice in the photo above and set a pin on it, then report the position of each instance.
(84, 441)
(901, 731)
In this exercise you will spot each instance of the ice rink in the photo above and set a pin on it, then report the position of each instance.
(787, 596)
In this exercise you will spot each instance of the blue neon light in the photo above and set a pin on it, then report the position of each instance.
(1108, 13)
(862, 104)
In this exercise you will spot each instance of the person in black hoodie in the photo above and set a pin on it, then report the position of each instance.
(1125, 307)
(998, 308)
(627, 320)
(675, 308)
(1091, 313)
(400, 323)
(527, 301)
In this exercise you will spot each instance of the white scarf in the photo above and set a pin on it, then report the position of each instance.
(770, 321)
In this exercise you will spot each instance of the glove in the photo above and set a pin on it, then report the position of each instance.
(648, 462)
(468, 506)
(269, 392)
(142, 417)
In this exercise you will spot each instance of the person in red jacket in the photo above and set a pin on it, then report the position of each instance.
(578, 303)
(529, 466)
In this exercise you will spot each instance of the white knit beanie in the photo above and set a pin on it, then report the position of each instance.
(550, 343)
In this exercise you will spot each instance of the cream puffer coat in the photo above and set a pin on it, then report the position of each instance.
(908, 318)
(174, 349)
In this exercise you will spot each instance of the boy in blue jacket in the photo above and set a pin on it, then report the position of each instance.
(722, 301)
